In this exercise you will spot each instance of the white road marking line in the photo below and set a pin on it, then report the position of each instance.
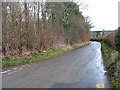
(15, 71)
(10, 73)
(14, 68)
(8, 70)
(23, 65)
(4, 72)
(20, 68)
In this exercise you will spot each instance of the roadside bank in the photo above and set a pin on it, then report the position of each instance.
(112, 64)
(36, 56)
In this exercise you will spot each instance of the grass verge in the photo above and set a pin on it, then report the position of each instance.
(35, 56)
(31, 58)
(112, 64)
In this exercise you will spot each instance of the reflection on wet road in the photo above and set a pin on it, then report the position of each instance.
(81, 68)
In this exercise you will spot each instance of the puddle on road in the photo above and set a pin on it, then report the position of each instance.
(99, 70)
(94, 75)
(100, 61)
(96, 71)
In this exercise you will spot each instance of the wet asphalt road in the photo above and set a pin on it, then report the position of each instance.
(81, 68)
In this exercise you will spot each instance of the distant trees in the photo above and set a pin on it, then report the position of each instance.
(103, 33)
(37, 26)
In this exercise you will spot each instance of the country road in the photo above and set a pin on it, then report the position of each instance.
(81, 68)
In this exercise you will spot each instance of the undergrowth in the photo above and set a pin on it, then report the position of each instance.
(112, 64)
(14, 61)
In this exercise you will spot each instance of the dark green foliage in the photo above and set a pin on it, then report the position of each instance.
(98, 34)
(107, 42)
(67, 40)
(117, 41)
(71, 21)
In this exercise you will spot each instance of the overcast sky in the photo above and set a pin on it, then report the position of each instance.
(103, 13)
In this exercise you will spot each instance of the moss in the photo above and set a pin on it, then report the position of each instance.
(74, 47)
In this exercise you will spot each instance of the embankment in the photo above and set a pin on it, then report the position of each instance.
(111, 59)
(36, 56)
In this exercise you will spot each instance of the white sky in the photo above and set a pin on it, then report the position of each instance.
(103, 13)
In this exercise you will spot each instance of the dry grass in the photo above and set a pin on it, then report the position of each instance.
(29, 57)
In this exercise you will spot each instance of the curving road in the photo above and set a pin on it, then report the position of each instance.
(81, 68)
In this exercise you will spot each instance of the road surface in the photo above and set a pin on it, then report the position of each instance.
(81, 68)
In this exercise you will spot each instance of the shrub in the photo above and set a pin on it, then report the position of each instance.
(107, 41)
(117, 41)
(110, 39)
